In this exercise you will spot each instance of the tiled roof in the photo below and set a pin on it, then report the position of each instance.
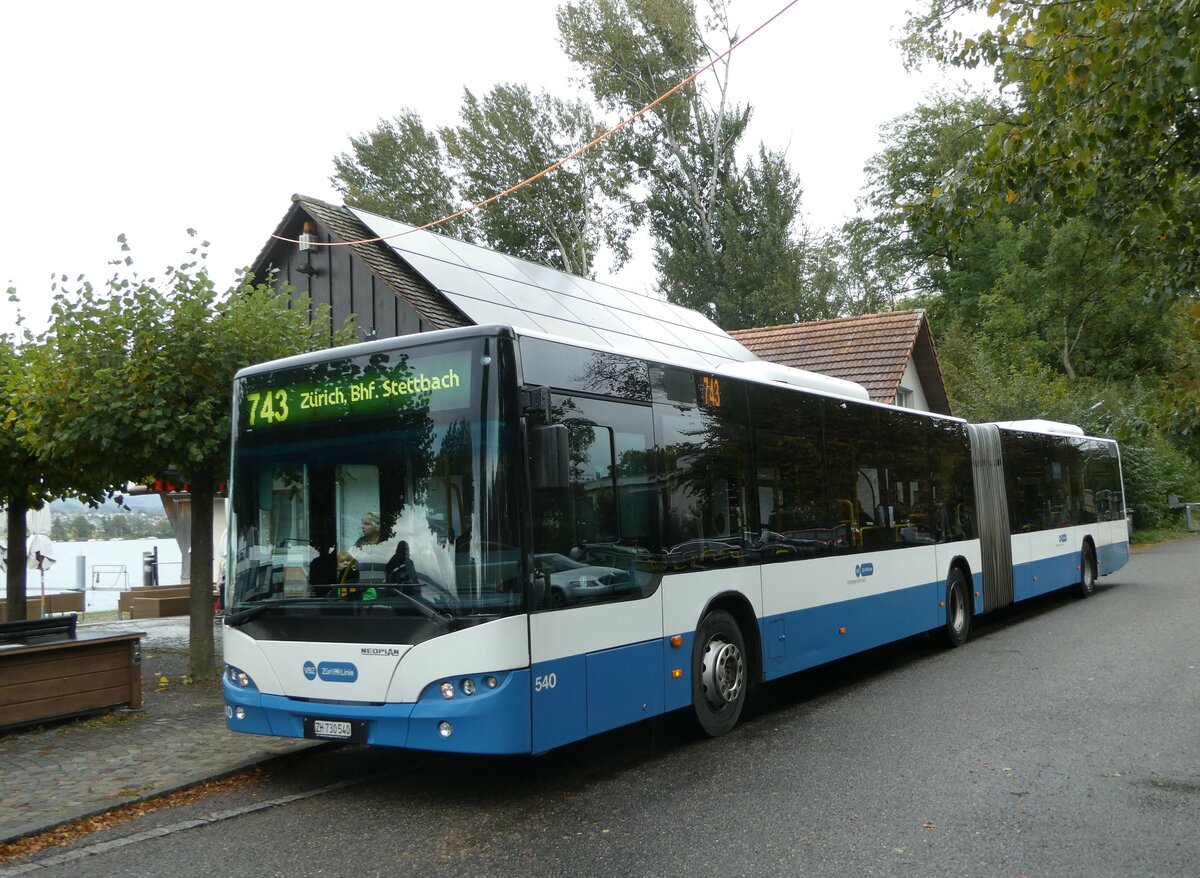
(871, 350)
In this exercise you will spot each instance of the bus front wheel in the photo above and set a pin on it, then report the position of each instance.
(719, 673)
(958, 608)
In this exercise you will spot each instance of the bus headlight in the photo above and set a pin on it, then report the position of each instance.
(445, 729)
(447, 690)
(468, 686)
(239, 678)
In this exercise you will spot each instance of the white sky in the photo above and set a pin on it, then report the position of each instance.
(149, 117)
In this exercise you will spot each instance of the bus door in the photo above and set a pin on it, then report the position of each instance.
(595, 625)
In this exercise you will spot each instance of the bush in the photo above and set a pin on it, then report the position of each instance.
(1154, 469)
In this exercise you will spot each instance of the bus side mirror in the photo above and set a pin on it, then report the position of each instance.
(549, 457)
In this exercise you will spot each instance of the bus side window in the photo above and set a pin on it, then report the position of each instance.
(909, 477)
(595, 537)
(858, 502)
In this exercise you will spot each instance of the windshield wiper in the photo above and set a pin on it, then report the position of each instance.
(243, 616)
(433, 614)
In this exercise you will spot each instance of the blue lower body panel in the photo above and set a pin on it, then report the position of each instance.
(1041, 577)
(823, 634)
(491, 721)
(581, 695)
(1112, 557)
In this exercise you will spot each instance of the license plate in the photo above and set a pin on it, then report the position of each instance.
(327, 728)
(334, 729)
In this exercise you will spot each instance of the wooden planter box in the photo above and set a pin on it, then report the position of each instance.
(56, 602)
(33, 609)
(48, 673)
(125, 600)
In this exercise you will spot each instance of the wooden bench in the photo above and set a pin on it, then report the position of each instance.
(50, 671)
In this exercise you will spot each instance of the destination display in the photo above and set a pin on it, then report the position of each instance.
(352, 388)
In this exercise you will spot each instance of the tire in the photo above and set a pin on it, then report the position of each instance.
(720, 674)
(1086, 587)
(958, 609)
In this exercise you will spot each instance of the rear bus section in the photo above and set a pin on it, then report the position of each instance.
(1054, 507)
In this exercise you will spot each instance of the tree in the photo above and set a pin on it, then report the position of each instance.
(81, 529)
(726, 236)
(633, 51)
(904, 252)
(562, 218)
(399, 170)
(1050, 292)
(1101, 120)
(764, 271)
(18, 474)
(24, 482)
(137, 380)
(1034, 316)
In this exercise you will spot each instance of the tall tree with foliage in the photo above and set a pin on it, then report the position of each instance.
(1049, 291)
(1033, 316)
(1101, 121)
(136, 380)
(727, 237)
(25, 481)
(19, 476)
(561, 219)
(399, 169)
(767, 270)
(632, 51)
(403, 170)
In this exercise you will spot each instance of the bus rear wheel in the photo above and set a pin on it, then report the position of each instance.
(958, 609)
(719, 673)
(1087, 572)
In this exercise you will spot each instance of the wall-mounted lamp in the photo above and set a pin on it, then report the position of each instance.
(308, 243)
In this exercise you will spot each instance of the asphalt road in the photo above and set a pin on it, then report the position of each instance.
(1062, 740)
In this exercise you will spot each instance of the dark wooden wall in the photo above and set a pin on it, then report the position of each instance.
(346, 285)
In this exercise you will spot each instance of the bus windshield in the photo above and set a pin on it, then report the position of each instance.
(375, 485)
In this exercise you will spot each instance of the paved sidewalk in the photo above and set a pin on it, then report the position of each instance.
(66, 771)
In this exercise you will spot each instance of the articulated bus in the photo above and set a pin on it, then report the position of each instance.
(484, 540)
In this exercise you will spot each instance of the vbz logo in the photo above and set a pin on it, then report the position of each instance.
(861, 570)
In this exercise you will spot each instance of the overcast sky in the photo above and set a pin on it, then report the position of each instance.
(148, 118)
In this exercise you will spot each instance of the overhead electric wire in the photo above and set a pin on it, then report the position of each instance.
(558, 164)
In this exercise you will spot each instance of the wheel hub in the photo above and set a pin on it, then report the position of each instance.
(723, 673)
(958, 610)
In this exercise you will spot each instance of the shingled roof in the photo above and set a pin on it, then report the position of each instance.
(343, 226)
(872, 350)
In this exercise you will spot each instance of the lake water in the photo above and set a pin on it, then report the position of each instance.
(110, 567)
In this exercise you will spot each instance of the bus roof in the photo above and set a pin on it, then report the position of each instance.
(1040, 425)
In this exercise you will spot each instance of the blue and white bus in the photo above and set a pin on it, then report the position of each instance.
(484, 540)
